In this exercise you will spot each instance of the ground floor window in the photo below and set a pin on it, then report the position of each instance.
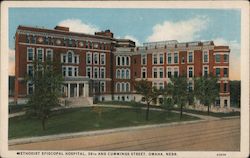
(217, 102)
(225, 102)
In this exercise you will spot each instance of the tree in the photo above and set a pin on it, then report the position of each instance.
(148, 92)
(235, 93)
(46, 79)
(206, 90)
(178, 90)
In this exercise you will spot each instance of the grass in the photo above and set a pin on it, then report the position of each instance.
(85, 119)
(13, 108)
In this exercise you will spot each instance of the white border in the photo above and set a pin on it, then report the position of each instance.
(243, 5)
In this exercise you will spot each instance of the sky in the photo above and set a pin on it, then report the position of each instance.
(141, 25)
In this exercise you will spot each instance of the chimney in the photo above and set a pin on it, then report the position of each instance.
(107, 33)
(62, 28)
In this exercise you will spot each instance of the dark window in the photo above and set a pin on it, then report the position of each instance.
(225, 58)
(217, 70)
(169, 74)
(217, 58)
(160, 100)
(182, 60)
(217, 102)
(225, 102)
(225, 72)
(134, 61)
(225, 87)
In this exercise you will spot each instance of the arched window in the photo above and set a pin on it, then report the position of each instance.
(117, 87)
(118, 60)
(123, 60)
(127, 87)
(118, 73)
(123, 87)
(127, 74)
(127, 61)
(70, 57)
(123, 74)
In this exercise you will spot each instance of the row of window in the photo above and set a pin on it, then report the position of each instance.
(66, 42)
(218, 58)
(96, 56)
(70, 71)
(122, 87)
(99, 87)
(70, 58)
(218, 72)
(160, 85)
(123, 73)
(40, 68)
(39, 54)
(97, 72)
(122, 60)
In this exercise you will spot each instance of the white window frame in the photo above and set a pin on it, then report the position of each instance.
(118, 76)
(192, 56)
(29, 82)
(97, 58)
(144, 69)
(102, 69)
(33, 53)
(227, 57)
(203, 70)
(90, 55)
(169, 54)
(76, 69)
(127, 89)
(159, 57)
(102, 56)
(159, 68)
(215, 58)
(90, 68)
(28, 65)
(37, 50)
(153, 57)
(102, 82)
(65, 71)
(169, 69)
(143, 56)
(176, 52)
(153, 70)
(127, 76)
(118, 89)
(178, 71)
(95, 69)
(51, 51)
(203, 56)
(190, 66)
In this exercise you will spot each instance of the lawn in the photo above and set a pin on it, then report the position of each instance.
(86, 119)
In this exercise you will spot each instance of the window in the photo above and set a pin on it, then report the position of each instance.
(27, 38)
(183, 60)
(96, 58)
(123, 87)
(160, 100)
(33, 39)
(217, 58)
(190, 57)
(64, 71)
(144, 72)
(70, 71)
(176, 72)
(169, 58)
(190, 86)
(49, 55)
(169, 72)
(30, 88)
(123, 60)
(118, 73)
(127, 87)
(161, 58)
(102, 74)
(205, 57)
(226, 58)
(46, 40)
(30, 54)
(89, 72)
(205, 71)
(96, 72)
(102, 59)
(76, 71)
(118, 60)
(40, 55)
(155, 72)
(190, 72)
(161, 85)
(144, 59)
(161, 72)
(123, 73)
(102, 86)
(176, 58)
(217, 72)
(155, 58)
(217, 102)
(127, 61)
(225, 72)
(30, 70)
(89, 58)
(154, 84)
(76, 59)
(70, 43)
(70, 56)
(117, 87)
(225, 87)
(225, 102)
(127, 74)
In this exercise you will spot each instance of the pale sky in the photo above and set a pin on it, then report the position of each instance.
(141, 25)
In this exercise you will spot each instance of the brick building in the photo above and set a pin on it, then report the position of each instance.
(102, 67)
